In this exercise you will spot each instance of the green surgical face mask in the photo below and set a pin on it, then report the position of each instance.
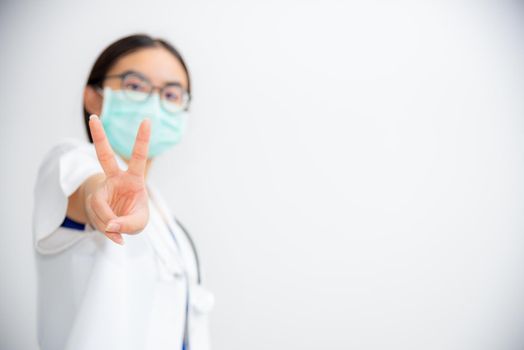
(121, 117)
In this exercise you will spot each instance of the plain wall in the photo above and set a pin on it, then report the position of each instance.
(352, 174)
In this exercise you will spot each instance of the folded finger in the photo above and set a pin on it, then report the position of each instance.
(101, 226)
(102, 209)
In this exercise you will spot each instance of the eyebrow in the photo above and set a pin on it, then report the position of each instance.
(169, 83)
(173, 83)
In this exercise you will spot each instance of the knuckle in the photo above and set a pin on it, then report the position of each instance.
(141, 138)
(105, 156)
(140, 156)
(97, 137)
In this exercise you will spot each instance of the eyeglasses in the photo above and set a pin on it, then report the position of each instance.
(136, 87)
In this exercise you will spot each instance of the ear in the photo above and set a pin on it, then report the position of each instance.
(92, 100)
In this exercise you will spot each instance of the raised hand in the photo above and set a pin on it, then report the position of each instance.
(118, 201)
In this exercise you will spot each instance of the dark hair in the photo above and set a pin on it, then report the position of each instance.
(117, 50)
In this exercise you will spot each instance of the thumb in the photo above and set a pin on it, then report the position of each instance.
(131, 224)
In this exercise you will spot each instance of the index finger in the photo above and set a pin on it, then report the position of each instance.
(104, 152)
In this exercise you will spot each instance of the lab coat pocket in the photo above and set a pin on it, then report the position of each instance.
(201, 303)
(202, 300)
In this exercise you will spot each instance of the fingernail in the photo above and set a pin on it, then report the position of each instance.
(115, 237)
(118, 240)
(93, 116)
(113, 227)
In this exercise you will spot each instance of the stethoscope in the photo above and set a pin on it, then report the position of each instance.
(185, 341)
(193, 248)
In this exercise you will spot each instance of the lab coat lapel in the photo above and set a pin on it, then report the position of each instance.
(170, 251)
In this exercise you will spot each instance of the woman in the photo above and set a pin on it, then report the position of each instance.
(93, 293)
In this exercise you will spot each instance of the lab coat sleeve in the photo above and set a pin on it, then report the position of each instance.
(64, 168)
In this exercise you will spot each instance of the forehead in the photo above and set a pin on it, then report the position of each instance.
(156, 63)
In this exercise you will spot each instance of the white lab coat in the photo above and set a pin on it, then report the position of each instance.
(95, 294)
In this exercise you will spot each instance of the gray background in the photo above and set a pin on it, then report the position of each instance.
(353, 171)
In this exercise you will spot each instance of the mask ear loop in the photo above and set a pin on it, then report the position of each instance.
(100, 90)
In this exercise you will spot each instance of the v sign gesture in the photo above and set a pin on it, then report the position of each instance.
(117, 201)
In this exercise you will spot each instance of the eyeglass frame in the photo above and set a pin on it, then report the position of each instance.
(160, 89)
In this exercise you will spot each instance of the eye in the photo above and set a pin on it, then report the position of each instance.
(133, 86)
(135, 83)
(172, 96)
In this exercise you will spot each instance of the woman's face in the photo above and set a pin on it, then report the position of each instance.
(156, 64)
